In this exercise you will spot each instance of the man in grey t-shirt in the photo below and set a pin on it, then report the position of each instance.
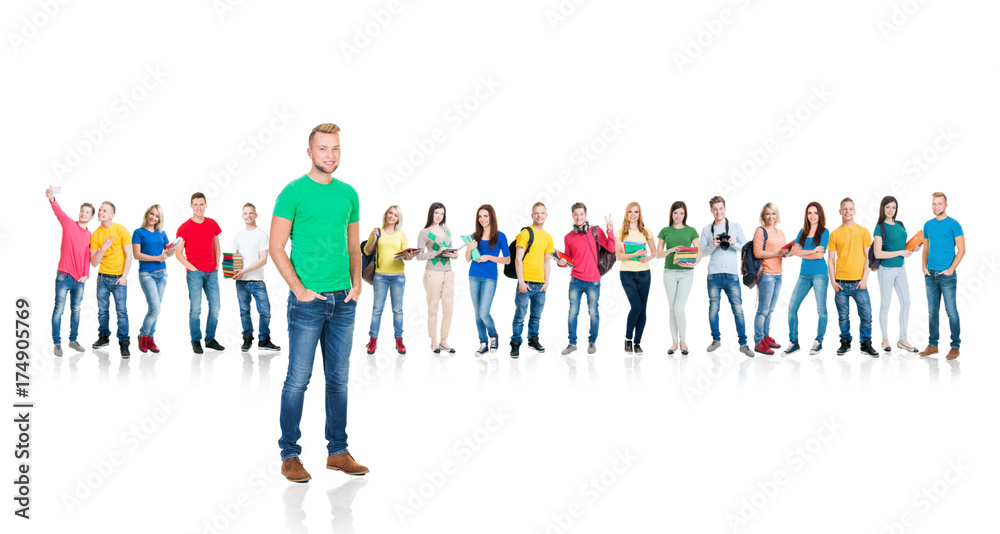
(723, 271)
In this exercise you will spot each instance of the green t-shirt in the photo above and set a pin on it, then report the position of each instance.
(895, 239)
(672, 237)
(320, 215)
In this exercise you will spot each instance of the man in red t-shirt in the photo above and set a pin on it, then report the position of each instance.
(200, 252)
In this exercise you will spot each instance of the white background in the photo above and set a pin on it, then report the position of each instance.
(229, 112)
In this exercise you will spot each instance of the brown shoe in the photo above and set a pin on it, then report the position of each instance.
(952, 354)
(931, 349)
(345, 462)
(294, 471)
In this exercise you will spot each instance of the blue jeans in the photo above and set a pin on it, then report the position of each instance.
(768, 291)
(536, 297)
(483, 290)
(939, 285)
(392, 284)
(577, 288)
(330, 324)
(636, 285)
(196, 281)
(65, 284)
(245, 289)
(106, 286)
(153, 283)
(818, 283)
(730, 283)
(842, 300)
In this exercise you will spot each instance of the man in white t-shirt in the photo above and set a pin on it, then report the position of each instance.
(251, 243)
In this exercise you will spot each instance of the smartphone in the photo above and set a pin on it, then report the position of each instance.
(56, 189)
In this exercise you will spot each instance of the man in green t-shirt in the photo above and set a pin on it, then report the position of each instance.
(320, 214)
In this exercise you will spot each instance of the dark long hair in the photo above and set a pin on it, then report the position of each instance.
(430, 214)
(820, 225)
(881, 209)
(674, 207)
(493, 225)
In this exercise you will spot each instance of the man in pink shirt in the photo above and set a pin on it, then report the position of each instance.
(583, 245)
(73, 270)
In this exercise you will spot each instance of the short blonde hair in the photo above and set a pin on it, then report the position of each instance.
(326, 127)
(399, 217)
(846, 199)
(777, 214)
(940, 194)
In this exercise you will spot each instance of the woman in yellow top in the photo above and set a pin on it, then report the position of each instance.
(635, 249)
(389, 277)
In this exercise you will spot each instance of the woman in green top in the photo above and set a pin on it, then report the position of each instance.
(678, 276)
(890, 249)
(389, 277)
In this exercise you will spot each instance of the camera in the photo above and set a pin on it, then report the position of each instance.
(723, 241)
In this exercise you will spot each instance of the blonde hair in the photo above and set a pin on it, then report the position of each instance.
(326, 127)
(626, 226)
(940, 194)
(159, 224)
(846, 199)
(399, 217)
(715, 200)
(777, 214)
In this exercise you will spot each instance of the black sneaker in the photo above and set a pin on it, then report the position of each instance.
(102, 341)
(267, 345)
(515, 349)
(637, 349)
(533, 343)
(214, 345)
(196, 347)
(247, 343)
(845, 346)
(628, 345)
(867, 348)
(123, 345)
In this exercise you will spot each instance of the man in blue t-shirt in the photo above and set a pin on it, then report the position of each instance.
(944, 247)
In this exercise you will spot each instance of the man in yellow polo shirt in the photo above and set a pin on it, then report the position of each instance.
(848, 266)
(532, 266)
(109, 248)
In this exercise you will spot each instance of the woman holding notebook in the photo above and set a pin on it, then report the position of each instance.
(890, 249)
(487, 248)
(151, 246)
(635, 249)
(437, 248)
(390, 242)
(678, 243)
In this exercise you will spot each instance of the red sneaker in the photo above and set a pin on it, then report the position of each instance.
(771, 342)
(142, 343)
(151, 346)
(763, 348)
(399, 346)
(371, 346)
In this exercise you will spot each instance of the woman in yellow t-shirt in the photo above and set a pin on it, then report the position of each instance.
(389, 276)
(635, 249)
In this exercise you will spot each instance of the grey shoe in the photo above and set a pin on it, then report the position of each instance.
(591, 348)
(746, 350)
(57, 350)
(76, 346)
(715, 344)
(817, 348)
(569, 348)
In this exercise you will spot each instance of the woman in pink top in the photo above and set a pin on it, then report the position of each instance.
(769, 286)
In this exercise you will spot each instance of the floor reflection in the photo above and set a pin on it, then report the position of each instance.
(295, 515)
(342, 502)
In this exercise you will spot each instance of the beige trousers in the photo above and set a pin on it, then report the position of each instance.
(440, 287)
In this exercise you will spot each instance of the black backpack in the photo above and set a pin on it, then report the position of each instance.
(752, 264)
(874, 262)
(605, 259)
(509, 270)
(369, 261)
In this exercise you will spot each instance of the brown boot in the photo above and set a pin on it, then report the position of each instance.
(345, 462)
(952, 354)
(294, 471)
(931, 349)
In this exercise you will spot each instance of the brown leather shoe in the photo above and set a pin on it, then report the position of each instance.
(294, 471)
(345, 462)
(952, 354)
(931, 349)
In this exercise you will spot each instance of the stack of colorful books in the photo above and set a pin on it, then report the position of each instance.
(231, 262)
(686, 254)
